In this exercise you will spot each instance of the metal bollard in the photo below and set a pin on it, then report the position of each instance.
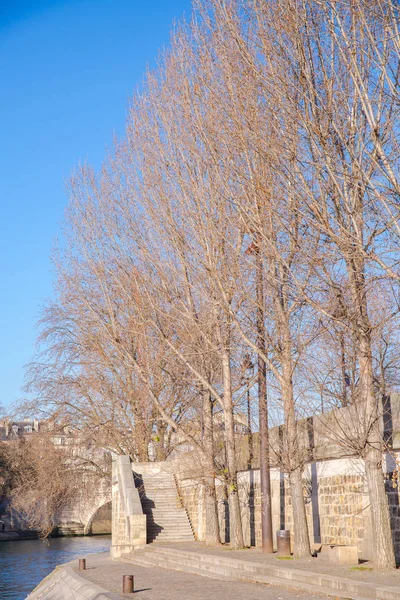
(82, 564)
(283, 542)
(127, 584)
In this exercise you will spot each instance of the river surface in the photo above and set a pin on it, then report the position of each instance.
(23, 564)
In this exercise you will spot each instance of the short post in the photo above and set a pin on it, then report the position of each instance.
(127, 584)
(283, 542)
(82, 564)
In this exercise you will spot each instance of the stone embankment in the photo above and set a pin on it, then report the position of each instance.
(13, 536)
(190, 570)
(103, 577)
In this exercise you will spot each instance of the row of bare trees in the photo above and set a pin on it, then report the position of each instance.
(250, 210)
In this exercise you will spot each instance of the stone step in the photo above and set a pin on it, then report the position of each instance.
(175, 530)
(229, 575)
(159, 495)
(166, 518)
(158, 485)
(147, 562)
(152, 485)
(180, 512)
(176, 533)
(172, 501)
(165, 510)
(151, 482)
(170, 522)
(246, 570)
(169, 525)
(164, 513)
(169, 540)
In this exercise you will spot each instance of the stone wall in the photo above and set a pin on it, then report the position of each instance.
(336, 497)
(128, 520)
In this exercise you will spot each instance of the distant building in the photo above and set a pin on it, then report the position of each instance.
(12, 430)
(240, 422)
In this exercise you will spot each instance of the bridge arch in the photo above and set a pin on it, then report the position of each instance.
(100, 521)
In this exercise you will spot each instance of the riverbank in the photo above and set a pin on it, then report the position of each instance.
(103, 581)
(13, 536)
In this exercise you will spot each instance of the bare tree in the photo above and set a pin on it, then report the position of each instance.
(335, 67)
(30, 491)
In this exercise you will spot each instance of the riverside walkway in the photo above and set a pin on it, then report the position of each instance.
(191, 571)
(104, 574)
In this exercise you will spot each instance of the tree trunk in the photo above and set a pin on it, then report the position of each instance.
(212, 524)
(235, 519)
(371, 434)
(161, 429)
(301, 539)
(265, 479)
(294, 460)
(380, 518)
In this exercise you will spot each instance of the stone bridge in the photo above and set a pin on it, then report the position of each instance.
(90, 512)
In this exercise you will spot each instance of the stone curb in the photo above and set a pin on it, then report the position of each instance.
(65, 584)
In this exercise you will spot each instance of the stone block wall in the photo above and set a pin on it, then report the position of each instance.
(192, 494)
(392, 492)
(128, 520)
(336, 497)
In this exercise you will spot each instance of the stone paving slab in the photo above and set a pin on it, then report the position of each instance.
(161, 584)
(364, 572)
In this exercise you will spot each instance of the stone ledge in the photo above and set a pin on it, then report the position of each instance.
(65, 584)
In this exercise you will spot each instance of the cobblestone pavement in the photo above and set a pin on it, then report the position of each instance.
(162, 584)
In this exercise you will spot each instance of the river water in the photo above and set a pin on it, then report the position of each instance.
(23, 564)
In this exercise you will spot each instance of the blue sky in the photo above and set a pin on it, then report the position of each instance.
(67, 69)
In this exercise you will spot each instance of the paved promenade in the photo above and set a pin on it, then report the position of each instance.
(192, 571)
(161, 584)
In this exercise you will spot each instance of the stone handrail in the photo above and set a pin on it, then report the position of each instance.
(128, 522)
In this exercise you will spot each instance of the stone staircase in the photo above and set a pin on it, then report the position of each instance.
(167, 520)
(200, 561)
